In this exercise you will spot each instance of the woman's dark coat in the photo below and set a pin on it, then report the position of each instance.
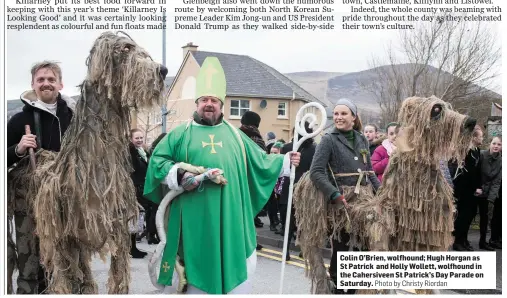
(334, 149)
(140, 169)
(491, 175)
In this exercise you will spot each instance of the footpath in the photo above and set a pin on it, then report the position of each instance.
(266, 237)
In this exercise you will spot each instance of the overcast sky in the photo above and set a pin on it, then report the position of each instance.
(336, 51)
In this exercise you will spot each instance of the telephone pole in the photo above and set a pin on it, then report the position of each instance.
(164, 108)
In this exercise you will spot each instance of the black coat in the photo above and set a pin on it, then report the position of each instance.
(467, 179)
(140, 168)
(307, 150)
(375, 144)
(53, 127)
(491, 175)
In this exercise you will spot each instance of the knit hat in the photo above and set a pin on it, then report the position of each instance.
(347, 102)
(251, 118)
(271, 135)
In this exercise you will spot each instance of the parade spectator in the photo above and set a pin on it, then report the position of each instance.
(496, 222)
(276, 148)
(467, 183)
(250, 122)
(491, 179)
(380, 157)
(272, 205)
(271, 140)
(371, 134)
(48, 113)
(341, 151)
(307, 150)
(140, 158)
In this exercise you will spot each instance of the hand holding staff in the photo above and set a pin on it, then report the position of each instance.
(30, 150)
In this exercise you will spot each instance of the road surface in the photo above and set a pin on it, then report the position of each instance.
(265, 281)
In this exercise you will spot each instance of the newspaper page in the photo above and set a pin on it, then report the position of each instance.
(375, 166)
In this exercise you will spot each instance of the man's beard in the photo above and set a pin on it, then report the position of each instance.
(212, 120)
(47, 97)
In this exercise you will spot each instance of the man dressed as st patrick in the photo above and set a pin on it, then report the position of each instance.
(211, 227)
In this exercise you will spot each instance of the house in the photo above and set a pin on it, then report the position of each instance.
(251, 86)
(494, 123)
(150, 121)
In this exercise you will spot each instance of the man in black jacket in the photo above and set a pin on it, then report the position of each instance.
(250, 122)
(45, 106)
(467, 184)
(307, 150)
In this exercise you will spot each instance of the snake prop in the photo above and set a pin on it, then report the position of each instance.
(162, 219)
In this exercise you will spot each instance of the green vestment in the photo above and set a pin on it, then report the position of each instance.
(216, 222)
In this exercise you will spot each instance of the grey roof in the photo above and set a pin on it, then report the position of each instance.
(247, 76)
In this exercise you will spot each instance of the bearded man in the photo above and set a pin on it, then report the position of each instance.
(211, 228)
(48, 114)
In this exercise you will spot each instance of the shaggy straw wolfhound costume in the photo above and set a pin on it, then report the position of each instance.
(413, 209)
(83, 197)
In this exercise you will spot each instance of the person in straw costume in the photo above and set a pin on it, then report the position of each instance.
(82, 197)
(414, 208)
(325, 199)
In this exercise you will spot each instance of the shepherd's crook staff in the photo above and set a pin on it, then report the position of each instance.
(299, 129)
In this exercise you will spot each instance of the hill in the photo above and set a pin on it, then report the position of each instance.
(331, 86)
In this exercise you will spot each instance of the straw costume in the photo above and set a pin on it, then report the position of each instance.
(414, 209)
(82, 198)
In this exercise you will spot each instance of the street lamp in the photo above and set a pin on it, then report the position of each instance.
(164, 109)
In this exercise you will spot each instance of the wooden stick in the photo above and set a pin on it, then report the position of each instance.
(30, 150)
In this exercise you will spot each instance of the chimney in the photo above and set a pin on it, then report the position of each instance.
(188, 47)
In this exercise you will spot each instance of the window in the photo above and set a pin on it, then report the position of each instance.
(239, 107)
(282, 110)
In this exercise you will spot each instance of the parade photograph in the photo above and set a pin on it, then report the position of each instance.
(170, 162)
